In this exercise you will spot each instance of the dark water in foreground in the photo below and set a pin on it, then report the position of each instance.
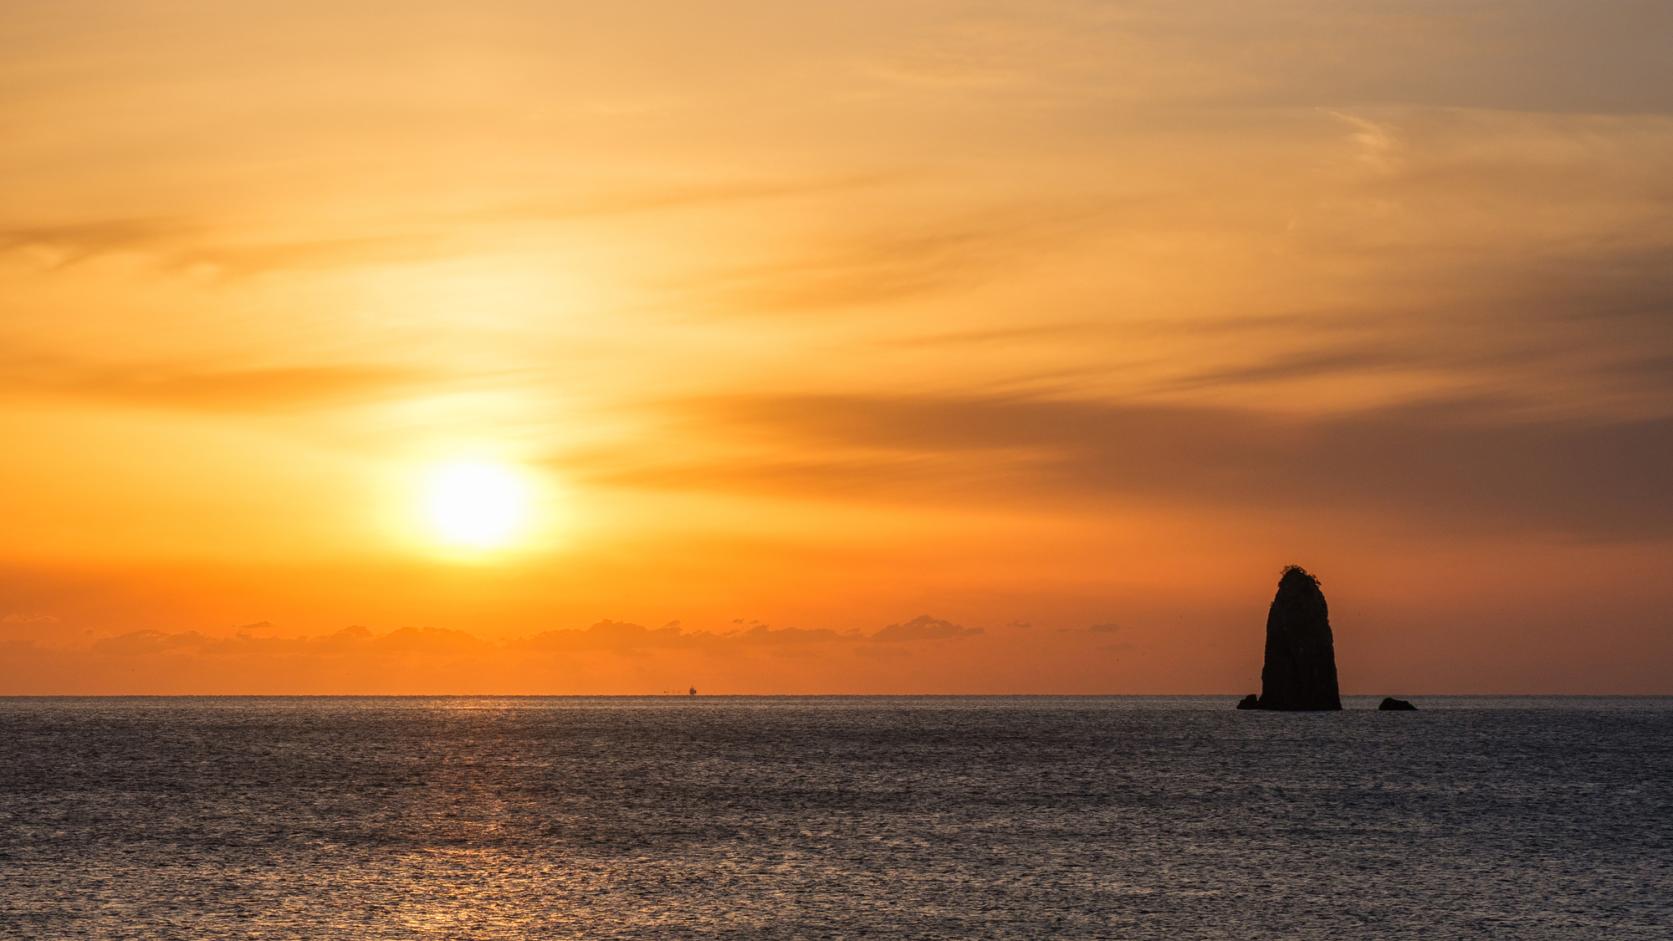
(957, 818)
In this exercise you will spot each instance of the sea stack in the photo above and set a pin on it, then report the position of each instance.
(1300, 670)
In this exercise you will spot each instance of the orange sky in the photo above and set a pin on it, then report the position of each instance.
(860, 347)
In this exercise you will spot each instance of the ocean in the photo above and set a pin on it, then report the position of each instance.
(1029, 817)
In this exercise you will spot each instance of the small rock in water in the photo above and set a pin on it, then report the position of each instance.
(1390, 704)
(1250, 701)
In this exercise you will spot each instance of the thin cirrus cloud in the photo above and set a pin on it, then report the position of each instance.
(416, 233)
(1575, 327)
(69, 242)
(224, 246)
(930, 254)
(1459, 465)
(658, 196)
(203, 388)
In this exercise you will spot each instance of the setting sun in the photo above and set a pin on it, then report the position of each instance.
(475, 504)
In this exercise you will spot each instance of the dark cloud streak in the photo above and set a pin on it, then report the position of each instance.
(1452, 465)
(210, 388)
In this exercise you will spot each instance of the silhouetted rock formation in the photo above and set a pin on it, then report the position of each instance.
(1300, 670)
(1250, 701)
(1390, 704)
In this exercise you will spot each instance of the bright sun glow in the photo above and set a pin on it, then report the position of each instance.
(476, 505)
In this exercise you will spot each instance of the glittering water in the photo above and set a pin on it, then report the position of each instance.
(659, 818)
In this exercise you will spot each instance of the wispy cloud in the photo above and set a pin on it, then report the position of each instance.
(226, 244)
(1454, 465)
(1006, 336)
(206, 388)
(66, 243)
(256, 389)
(654, 195)
(855, 266)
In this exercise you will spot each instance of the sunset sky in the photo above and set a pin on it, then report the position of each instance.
(846, 347)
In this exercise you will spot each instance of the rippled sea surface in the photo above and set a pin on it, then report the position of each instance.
(878, 818)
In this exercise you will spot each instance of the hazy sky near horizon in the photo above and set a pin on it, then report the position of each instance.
(860, 347)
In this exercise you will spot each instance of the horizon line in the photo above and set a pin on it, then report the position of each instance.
(688, 697)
